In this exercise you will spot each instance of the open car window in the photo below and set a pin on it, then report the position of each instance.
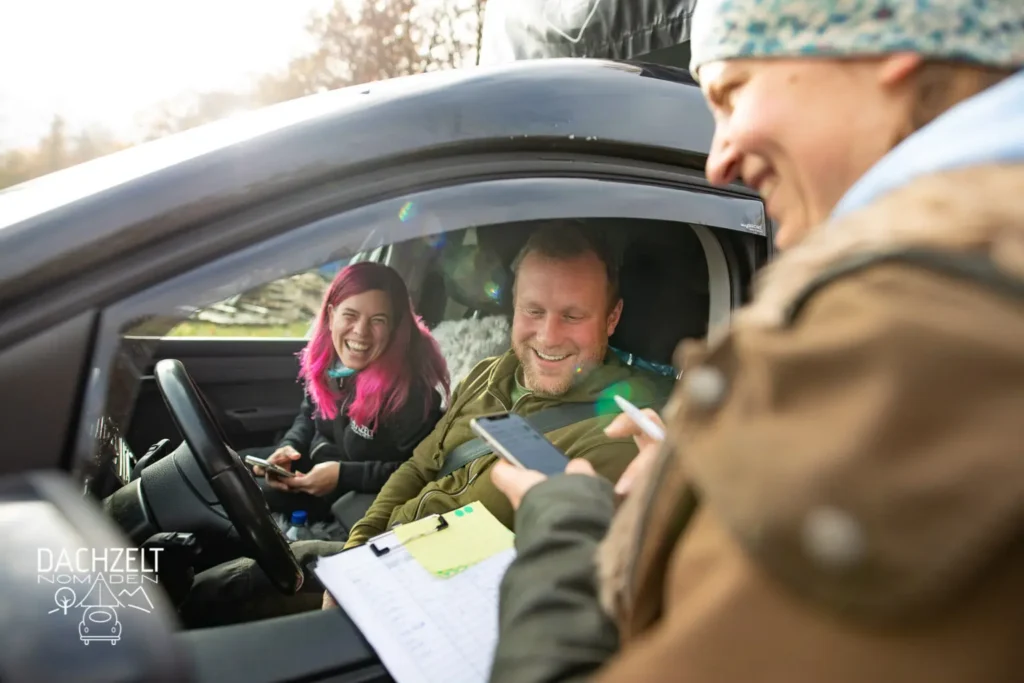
(282, 309)
(454, 247)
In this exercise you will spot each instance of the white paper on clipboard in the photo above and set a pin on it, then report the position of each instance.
(424, 628)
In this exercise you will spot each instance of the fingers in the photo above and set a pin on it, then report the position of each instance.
(504, 476)
(280, 483)
(328, 602)
(623, 427)
(283, 457)
(580, 466)
(514, 482)
(636, 469)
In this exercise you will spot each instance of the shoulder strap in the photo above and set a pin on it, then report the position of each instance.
(544, 421)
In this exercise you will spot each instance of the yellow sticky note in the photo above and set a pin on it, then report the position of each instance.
(473, 534)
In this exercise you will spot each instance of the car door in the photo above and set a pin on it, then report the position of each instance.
(727, 229)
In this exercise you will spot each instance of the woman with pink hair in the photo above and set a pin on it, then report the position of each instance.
(375, 380)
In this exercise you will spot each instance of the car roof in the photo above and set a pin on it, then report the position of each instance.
(146, 193)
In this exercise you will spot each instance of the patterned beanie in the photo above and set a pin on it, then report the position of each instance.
(985, 32)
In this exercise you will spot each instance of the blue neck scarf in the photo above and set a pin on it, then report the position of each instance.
(339, 371)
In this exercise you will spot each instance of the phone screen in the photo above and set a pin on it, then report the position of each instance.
(513, 439)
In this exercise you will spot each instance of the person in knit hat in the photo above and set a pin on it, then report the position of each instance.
(840, 494)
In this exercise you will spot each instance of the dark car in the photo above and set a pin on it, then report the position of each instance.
(114, 273)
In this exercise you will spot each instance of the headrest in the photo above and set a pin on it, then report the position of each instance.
(665, 300)
(476, 277)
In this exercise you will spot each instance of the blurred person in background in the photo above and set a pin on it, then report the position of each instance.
(840, 495)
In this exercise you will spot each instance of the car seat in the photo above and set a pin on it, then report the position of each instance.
(475, 279)
(664, 286)
(663, 276)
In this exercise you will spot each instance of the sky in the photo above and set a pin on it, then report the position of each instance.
(103, 62)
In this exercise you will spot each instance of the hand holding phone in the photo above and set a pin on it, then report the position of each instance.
(269, 466)
(514, 440)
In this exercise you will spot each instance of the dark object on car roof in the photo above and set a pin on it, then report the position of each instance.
(652, 30)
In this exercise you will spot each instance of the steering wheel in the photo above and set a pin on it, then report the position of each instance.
(230, 480)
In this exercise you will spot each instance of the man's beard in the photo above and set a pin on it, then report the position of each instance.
(548, 385)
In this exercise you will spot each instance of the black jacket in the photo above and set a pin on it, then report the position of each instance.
(367, 458)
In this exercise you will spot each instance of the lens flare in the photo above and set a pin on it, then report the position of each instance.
(606, 404)
(407, 212)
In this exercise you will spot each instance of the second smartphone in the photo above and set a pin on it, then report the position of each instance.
(514, 440)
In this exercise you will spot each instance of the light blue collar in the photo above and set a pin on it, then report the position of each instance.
(339, 371)
(985, 129)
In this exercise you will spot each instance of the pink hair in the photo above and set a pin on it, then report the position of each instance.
(411, 358)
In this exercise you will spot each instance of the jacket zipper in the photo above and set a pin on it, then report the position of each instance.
(426, 496)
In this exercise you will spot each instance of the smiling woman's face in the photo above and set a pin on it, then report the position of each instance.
(361, 328)
(802, 131)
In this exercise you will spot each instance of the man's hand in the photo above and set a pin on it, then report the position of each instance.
(328, 602)
(319, 481)
(622, 427)
(514, 481)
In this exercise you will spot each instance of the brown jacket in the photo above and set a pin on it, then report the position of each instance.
(856, 442)
(842, 498)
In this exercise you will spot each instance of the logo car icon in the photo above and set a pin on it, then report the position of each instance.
(99, 623)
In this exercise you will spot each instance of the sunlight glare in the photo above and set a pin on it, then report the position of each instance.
(105, 61)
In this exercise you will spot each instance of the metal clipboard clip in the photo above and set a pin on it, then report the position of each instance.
(379, 549)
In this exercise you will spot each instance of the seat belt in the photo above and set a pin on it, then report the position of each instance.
(544, 421)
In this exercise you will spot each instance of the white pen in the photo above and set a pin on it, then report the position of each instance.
(646, 424)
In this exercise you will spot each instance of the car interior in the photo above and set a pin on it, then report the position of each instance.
(677, 280)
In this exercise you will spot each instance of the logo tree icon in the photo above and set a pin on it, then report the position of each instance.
(64, 598)
(100, 595)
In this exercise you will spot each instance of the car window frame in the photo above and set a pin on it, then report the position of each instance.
(369, 228)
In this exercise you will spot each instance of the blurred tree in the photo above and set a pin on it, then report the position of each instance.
(479, 8)
(191, 110)
(380, 39)
(356, 41)
(53, 148)
(56, 150)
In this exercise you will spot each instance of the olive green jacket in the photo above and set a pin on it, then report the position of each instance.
(411, 492)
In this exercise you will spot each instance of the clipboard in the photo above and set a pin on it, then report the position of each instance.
(425, 628)
(379, 549)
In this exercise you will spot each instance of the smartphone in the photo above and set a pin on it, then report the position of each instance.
(270, 467)
(513, 439)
